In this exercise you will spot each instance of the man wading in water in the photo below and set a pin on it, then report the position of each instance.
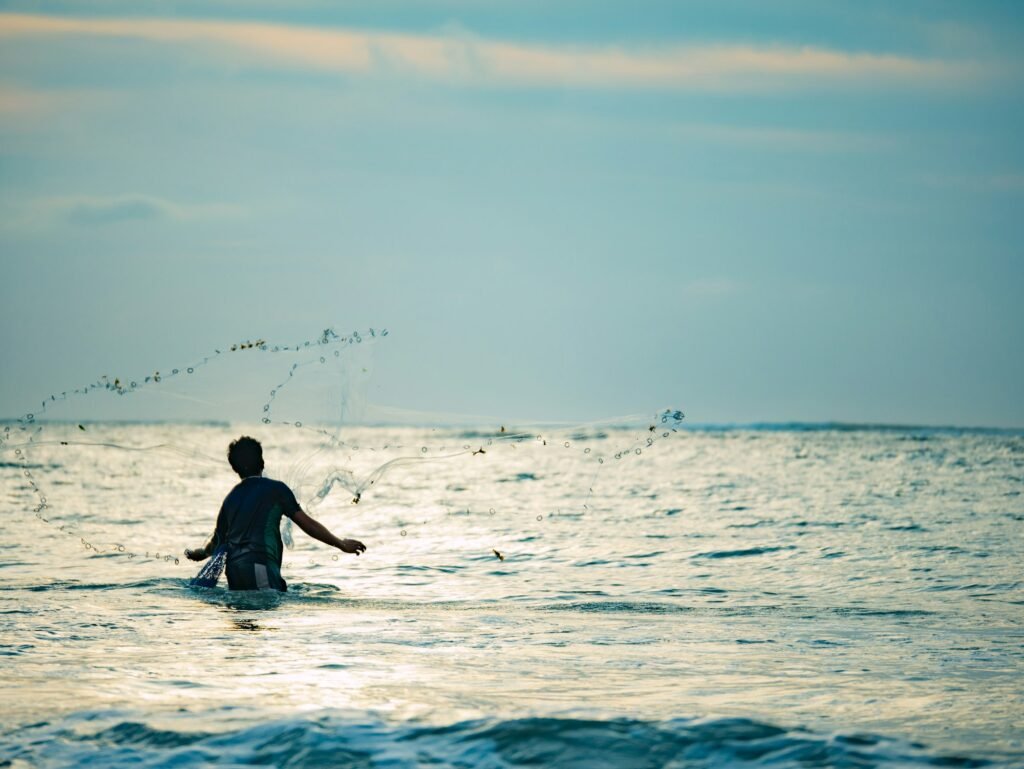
(249, 524)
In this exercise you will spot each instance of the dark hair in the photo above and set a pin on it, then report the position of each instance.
(246, 456)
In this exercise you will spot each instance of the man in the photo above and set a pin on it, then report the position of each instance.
(249, 524)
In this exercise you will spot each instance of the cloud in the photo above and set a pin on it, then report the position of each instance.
(95, 211)
(461, 59)
(17, 102)
(20, 101)
(786, 139)
(1007, 182)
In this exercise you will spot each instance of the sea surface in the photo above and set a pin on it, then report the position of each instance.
(772, 596)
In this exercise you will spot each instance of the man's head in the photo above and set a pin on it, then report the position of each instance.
(246, 456)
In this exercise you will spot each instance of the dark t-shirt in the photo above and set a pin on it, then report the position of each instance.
(249, 522)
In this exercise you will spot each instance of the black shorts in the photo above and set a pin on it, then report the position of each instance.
(254, 573)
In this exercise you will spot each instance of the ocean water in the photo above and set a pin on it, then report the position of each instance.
(736, 597)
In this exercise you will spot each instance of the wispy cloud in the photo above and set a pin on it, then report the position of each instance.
(20, 101)
(782, 138)
(466, 60)
(97, 211)
(91, 210)
(17, 102)
(1007, 182)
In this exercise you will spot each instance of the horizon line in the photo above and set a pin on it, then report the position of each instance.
(754, 426)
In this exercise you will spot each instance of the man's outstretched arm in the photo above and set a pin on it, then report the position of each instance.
(318, 531)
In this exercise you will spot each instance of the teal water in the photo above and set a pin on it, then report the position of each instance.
(739, 597)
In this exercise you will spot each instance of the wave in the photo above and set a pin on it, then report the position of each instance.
(619, 607)
(214, 739)
(744, 553)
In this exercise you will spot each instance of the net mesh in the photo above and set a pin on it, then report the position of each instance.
(123, 449)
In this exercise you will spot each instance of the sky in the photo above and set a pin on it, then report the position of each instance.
(755, 212)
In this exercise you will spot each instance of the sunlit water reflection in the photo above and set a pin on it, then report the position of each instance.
(739, 596)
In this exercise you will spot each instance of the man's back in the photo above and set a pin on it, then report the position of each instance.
(249, 524)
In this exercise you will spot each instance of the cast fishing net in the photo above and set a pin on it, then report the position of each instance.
(131, 467)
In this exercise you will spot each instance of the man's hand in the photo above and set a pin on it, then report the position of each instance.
(352, 546)
(196, 555)
(319, 532)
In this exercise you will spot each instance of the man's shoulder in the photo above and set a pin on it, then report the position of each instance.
(280, 492)
(259, 484)
(271, 484)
